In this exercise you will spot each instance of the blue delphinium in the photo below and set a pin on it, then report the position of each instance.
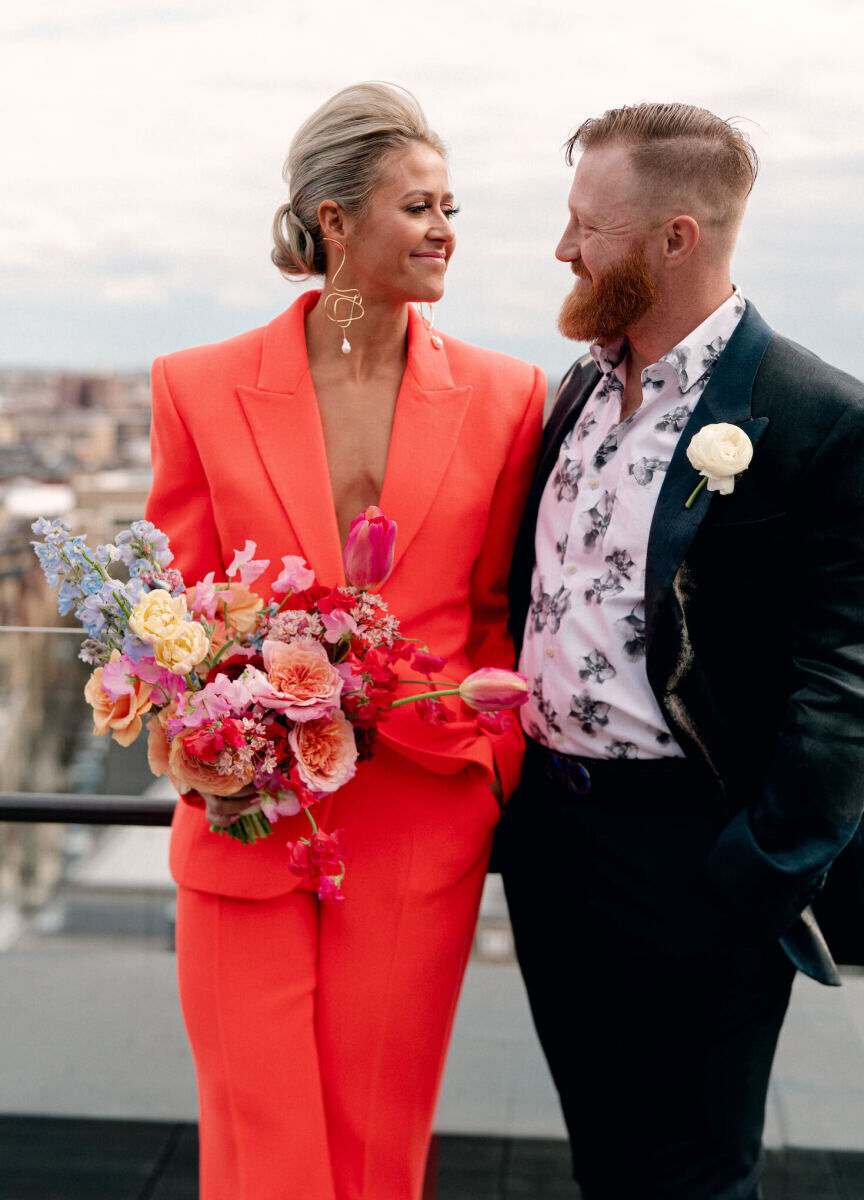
(100, 602)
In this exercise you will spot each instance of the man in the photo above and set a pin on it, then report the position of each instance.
(696, 727)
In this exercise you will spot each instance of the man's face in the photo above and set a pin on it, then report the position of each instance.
(605, 244)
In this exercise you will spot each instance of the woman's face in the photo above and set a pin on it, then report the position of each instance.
(398, 249)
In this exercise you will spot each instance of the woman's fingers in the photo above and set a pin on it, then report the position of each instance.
(222, 810)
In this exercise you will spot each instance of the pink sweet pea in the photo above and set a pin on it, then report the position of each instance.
(369, 550)
(337, 624)
(250, 568)
(285, 804)
(428, 664)
(296, 575)
(120, 677)
(204, 598)
(492, 688)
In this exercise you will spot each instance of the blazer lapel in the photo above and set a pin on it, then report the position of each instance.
(283, 416)
(282, 412)
(727, 397)
(430, 412)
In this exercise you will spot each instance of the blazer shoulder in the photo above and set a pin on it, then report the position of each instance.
(793, 374)
(237, 358)
(476, 365)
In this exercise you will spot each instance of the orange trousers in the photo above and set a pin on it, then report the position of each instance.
(319, 1030)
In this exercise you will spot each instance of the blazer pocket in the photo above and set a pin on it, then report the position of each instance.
(756, 524)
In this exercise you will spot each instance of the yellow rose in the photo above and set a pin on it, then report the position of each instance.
(158, 616)
(185, 650)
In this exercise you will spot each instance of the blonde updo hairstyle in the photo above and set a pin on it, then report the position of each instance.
(337, 154)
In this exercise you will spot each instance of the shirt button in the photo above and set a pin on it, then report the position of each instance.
(572, 568)
(550, 652)
(594, 484)
(558, 738)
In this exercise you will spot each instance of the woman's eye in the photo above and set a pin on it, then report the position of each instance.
(421, 208)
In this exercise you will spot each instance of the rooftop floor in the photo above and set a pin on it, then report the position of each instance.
(43, 1158)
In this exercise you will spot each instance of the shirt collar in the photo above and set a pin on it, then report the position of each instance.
(694, 357)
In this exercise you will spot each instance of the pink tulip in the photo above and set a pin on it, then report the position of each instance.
(492, 688)
(369, 550)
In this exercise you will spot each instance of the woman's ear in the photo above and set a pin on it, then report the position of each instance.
(332, 220)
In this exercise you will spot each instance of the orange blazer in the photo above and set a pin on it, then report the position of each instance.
(238, 452)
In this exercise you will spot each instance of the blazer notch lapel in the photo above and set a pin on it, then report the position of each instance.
(425, 434)
(286, 429)
(727, 398)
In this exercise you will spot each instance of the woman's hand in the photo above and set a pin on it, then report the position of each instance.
(221, 810)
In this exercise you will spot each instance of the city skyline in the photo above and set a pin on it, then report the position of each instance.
(145, 150)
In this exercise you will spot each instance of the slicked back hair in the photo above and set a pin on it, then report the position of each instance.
(682, 155)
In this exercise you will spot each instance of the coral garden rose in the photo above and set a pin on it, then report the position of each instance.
(326, 752)
(158, 616)
(192, 774)
(121, 717)
(185, 650)
(303, 675)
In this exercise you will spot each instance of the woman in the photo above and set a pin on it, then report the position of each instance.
(319, 1030)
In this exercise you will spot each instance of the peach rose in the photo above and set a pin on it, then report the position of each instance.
(243, 607)
(190, 774)
(325, 750)
(157, 746)
(303, 676)
(121, 717)
(184, 650)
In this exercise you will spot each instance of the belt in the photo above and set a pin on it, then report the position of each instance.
(597, 778)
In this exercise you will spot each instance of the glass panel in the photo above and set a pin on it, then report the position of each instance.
(70, 883)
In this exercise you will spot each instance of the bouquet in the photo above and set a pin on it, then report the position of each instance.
(279, 700)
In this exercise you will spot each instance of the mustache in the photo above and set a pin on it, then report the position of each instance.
(579, 268)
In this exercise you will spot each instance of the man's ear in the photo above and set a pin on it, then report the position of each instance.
(681, 238)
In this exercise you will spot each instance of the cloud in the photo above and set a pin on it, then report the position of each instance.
(142, 158)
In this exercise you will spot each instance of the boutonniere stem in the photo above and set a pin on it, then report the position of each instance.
(698, 488)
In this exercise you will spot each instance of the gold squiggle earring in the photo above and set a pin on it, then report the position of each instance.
(429, 322)
(349, 296)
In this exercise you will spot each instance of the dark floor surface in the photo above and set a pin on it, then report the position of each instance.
(61, 1159)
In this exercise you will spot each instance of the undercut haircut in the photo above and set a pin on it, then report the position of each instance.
(683, 155)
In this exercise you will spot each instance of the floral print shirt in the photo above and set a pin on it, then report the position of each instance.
(584, 648)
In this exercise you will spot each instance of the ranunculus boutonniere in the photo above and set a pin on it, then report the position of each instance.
(719, 453)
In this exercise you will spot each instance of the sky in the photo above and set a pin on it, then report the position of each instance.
(142, 146)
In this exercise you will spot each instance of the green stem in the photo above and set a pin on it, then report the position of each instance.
(311, 820)
(696, 491)
(221, 651)
(424, 696)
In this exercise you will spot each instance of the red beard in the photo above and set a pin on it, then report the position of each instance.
(613, 302)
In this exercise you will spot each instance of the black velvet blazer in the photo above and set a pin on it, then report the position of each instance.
(754, 613)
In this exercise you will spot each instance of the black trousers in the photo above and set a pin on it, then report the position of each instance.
(658, 1015)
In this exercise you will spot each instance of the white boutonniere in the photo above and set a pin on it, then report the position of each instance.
(719, 453)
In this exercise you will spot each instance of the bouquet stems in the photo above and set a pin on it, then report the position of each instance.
(247, 829)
